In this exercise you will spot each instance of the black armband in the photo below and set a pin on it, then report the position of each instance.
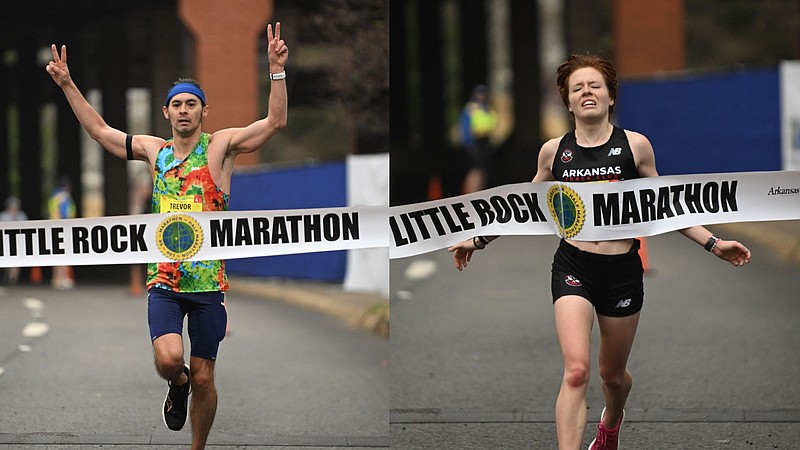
(129, 146)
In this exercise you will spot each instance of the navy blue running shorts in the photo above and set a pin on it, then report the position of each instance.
(612, 283)
(207, 318)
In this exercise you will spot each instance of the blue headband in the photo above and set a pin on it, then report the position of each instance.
(188, 88)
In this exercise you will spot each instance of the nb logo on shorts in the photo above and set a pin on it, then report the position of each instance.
(623, 303)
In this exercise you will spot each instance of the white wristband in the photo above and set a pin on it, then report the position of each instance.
(277, 76)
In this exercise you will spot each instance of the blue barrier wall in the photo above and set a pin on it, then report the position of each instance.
(707, 123)
(322, 186)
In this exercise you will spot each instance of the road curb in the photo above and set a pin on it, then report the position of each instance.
(364, 311)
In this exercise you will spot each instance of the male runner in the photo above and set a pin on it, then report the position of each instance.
(194, 168)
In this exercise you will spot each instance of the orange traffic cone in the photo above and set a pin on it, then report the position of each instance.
(36, 275)
(643, 254)
(434, 188)
(135, 288)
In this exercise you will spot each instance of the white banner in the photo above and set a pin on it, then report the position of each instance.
(189, 236)
(596, 211)
(581, 211)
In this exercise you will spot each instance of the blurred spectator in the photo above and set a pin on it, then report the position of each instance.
(62, 206)
(477, 122)
(12, 213)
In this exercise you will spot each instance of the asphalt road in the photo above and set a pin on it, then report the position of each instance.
(476, 363)
(76, 371)
(472, 362)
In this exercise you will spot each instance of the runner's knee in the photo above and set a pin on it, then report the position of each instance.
(202, 380)
(169, 368)
(614, 377)
(577, 375)
(169, 363)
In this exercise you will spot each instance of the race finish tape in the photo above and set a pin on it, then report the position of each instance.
(580, 211)
(596, 211)
(189, 236)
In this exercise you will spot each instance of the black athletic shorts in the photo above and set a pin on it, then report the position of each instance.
(612, 283)
(207, 318)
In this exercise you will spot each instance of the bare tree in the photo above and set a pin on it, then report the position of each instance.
(360, 82)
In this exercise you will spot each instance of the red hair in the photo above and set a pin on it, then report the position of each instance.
(577, 61)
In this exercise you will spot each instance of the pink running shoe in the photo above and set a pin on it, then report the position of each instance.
(607, 439)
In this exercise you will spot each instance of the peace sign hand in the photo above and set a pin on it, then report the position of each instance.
(277, 51)
(57, 68)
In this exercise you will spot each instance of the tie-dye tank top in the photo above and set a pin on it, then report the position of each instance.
(173, 177)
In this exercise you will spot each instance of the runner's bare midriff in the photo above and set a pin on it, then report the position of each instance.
(613, 247)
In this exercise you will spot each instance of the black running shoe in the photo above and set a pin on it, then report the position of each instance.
(176, 403)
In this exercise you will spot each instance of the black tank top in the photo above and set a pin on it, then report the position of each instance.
(612, 161)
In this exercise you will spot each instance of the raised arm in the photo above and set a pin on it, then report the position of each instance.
(111, 139)
(255, 135)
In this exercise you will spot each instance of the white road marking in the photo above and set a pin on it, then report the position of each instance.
(33, 304)
(421, 269)
(35, 329)
(404, 295)
(2, 371)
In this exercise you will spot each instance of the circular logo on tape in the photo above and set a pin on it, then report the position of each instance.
(567, 209)
(179, 237)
